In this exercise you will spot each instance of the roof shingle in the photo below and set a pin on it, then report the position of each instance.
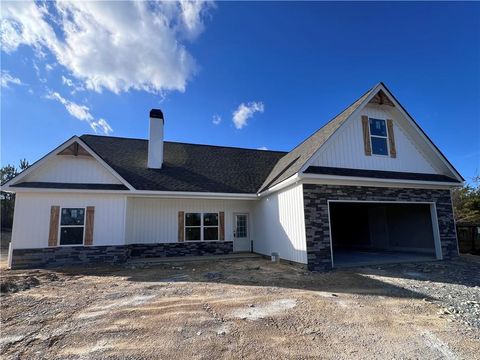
(186, 167)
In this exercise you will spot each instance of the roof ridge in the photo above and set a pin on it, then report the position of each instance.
(185, 143)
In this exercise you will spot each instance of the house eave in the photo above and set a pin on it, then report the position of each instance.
(365, 181)
(285, 183)
(140, 193)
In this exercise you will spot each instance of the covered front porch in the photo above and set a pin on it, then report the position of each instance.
(157, 227)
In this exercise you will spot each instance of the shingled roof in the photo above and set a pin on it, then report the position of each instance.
(206, 168)
(217, 169)
(292, 162)
(186, 167)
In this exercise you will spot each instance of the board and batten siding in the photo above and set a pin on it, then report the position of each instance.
(346, 148)
(280, 225)
(32, 217)
(153, 220)
(72, 169)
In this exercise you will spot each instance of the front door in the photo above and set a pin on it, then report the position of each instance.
(241, 238)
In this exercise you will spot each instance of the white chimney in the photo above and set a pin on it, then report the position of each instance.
(155, 139)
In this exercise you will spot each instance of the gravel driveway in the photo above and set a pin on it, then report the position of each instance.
(242, 309)
(453, 285)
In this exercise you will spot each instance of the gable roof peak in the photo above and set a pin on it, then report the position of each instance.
(294, 161)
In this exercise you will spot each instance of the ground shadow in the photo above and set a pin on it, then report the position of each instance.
(253, 272)
(367, 280)
(464, 270)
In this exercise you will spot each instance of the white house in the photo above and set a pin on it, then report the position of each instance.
(369, 184)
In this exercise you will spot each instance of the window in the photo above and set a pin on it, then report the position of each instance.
(72, 222)
(378, 136)
(201, 226)
(241, 230)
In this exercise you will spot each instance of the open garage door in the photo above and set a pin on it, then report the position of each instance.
(365, 233)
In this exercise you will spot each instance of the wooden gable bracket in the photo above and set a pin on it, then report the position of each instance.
(74, 149)
(381, 99)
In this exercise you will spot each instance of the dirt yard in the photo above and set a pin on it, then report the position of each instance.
(242, 309)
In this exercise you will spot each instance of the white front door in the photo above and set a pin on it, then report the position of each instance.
(241, 238)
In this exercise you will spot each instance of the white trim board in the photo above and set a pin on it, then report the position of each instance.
(304, 179)
(141, 193)
(364, 181)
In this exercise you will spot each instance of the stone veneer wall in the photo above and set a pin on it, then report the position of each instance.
(318, 228)
(82, 255)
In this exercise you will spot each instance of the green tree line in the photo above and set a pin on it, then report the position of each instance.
(7, 200)
(466, 202)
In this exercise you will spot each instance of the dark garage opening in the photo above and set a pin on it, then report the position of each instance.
(379, 233)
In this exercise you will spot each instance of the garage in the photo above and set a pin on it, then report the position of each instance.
(366, 233)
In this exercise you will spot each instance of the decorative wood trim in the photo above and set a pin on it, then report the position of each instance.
(54, 222)
(381, 99)
(181, 226)
(89, 221)
(366, 136)
(391, 138)
(221, 223)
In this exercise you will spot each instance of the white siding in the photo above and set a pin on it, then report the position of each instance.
(151, 220)
(346, 149)
(32, 217)
(72, 169)
(280, 225)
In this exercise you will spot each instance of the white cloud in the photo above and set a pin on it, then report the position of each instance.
(129, 45)
(7, 79)
(67, 81)
(102, 125)
(81, 112)
(245, 112)
(74, 85)
(262, 148)
(216, 119)
(38, 72)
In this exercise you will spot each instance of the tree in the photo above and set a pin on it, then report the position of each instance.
(466, 202)
(8, 172)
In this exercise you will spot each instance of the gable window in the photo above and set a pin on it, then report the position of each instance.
(72, 226)
(201, 226)
(378, 136)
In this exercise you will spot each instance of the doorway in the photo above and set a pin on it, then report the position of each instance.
(241, 233)
(365, 233)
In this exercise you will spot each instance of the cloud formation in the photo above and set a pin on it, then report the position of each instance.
(245, 112)
(262, 148)
(136, 45)
(7, 79)
(81, 112)
(71, 84)
(216, 119)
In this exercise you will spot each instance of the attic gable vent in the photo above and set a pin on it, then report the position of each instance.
(74, 149)
(381, 99)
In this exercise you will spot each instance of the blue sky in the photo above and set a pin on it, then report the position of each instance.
(78, 68)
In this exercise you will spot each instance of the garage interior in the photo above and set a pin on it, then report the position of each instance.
(380, 233)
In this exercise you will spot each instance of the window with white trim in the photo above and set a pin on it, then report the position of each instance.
(378, 136)
(201, 226)
(72, 226)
